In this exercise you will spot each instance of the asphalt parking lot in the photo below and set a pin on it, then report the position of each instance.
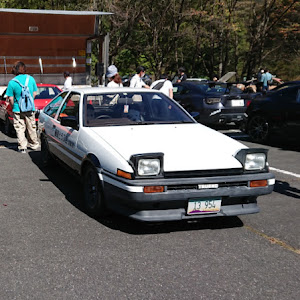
(50, 249)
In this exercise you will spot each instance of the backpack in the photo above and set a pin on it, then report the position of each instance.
(159, 85)
(26, 102)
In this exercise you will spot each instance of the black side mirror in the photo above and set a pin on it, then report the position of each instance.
(69, 122)
(194, 114)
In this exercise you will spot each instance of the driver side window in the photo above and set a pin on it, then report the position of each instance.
(52, 108)
(70, 107)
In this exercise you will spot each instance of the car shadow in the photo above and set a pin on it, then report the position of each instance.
(284, 188)
(120, 223)
(69, 184)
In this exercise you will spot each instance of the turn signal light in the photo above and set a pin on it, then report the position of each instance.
(258, 183)
(153, 189)
(124, 174)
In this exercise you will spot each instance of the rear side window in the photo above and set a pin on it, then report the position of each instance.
(47, 92)
(290, 95)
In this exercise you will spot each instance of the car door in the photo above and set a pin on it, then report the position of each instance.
(66, 137)
(291, 99)
(5, 107)
(181, 93)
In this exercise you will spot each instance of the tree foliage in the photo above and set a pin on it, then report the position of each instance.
(207, 37)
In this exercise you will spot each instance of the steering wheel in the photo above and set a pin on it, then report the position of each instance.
(104, 117)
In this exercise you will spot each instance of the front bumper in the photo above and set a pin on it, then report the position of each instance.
(126, 197)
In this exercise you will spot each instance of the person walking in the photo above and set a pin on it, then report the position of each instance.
(23, 121)
(164, 85)
(68, 81)
(137, 81)
(114, 77)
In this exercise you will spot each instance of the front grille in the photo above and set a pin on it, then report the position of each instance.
(195, 186)
(203, 173)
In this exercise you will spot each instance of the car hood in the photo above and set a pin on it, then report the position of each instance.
(186, 147)
(41, 103)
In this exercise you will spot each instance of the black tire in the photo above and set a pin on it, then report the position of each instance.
(94, 203)
(46, 156)
(8, 127)
(259, 128)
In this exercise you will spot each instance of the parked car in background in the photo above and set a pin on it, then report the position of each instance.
(276, 111)
(141, 155)
(197, 79)
(216, 102)
(46, 92)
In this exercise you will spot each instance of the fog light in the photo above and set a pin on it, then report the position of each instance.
(258, 183)
(153, 189)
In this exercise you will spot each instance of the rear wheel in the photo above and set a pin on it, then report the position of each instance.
(46, 156)
(259, 128)
(92, 193)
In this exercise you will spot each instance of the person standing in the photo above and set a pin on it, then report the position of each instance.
(267, 79)
(23, 120)
(137, 81)
(259, 83)
(114, 77)
(181, 74)
(68, 81)
(164, 85)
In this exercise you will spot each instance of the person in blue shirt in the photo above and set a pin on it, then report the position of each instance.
(267, 77)
(23, 120)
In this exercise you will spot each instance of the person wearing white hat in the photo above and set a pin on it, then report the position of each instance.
(114, 77)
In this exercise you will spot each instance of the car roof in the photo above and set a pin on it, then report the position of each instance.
(46, 85)
(101, 90)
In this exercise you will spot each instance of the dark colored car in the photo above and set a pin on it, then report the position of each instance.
(216, 102)
(276, 111)
(46, 92)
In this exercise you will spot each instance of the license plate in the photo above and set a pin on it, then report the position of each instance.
(237, 102)
(203, 206)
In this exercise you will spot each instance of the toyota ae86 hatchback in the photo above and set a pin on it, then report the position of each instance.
(140, 154)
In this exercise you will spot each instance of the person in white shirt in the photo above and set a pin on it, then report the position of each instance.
(114, 77)
(136, 81)
(68, 81)
(164, 85)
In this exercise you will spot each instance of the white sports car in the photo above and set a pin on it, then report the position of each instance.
(140, 154)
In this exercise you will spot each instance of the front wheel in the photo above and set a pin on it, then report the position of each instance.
(92, 193)
(259, 128)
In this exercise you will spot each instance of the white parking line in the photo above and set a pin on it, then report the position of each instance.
(285, 172)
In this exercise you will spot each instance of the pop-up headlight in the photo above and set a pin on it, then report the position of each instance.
(149, 164)
(253, 159)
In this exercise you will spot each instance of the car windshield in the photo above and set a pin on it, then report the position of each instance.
(213, 88)
(115, 109)
(47, 92)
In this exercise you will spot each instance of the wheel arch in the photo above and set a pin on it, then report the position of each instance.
(90, 160)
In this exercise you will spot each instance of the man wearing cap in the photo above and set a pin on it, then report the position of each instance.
(114, 77)
(137, 81)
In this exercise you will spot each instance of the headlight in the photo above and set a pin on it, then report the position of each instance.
(147, 165)
(253, 160)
